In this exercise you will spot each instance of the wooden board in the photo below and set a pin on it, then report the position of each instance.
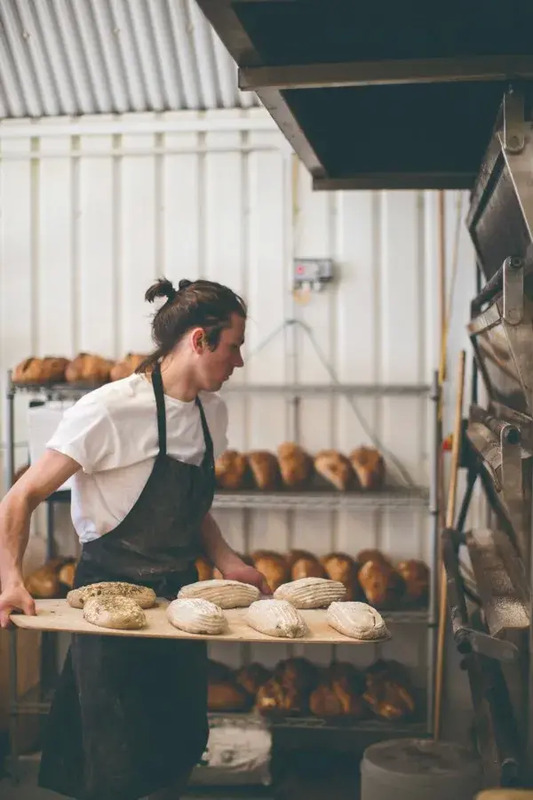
(57, 615)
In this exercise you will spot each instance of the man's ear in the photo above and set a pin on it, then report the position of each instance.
(199, 340)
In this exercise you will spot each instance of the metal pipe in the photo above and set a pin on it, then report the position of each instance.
(493, 286)
(433, 553)
(9, 472)
(511, 433)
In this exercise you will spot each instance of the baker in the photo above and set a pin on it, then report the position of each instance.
(129, 716)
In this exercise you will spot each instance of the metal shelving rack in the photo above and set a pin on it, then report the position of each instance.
(309, 501)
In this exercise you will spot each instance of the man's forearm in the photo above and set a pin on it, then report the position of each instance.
(215, 546)
(15, 514)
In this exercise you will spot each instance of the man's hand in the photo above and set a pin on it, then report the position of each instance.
(245, 574)
(15, 598)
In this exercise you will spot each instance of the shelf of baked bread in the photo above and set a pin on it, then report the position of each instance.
(307, 500)
(322, 500)
(406, 727)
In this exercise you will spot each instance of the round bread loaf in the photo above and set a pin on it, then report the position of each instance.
(196, 615)
(142, 595)
(114, 611)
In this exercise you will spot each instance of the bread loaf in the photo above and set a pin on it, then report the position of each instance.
(67, 573)
(341, 692)
(88, 368)
(371, 554)
(387, 691)
(224, 593)
(50, 369)
(196, 615)
(341, 567)
(297, 673)
(382, 585)
(276, 618)
(126, 366)
(307, 567)
(416, 578)
(252, 677)
(44, 583)
(273, 566)
(296, 466)
(204, 568)
(273, 698)
(143, 595)
(334, 468)
(231, 470)
(265, 469)
(357, 620)
(295, 555)
(114, 611)
(310, 592)
(226, 696)
(369, 467)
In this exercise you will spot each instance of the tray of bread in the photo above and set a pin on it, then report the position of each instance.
(309, 610)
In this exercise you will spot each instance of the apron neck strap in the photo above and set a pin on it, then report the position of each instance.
(207, 436)
(157, 384)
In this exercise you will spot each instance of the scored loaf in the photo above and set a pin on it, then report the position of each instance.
(142, 595)
(357, 620)
(114, 611)
(231, 470)
(369, 467)
(197, 615)
(296, 466)
(276, 618)
(265, 469)
(334, 468)
(311, 592)
(224, 593)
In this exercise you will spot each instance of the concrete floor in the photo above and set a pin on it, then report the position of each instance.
(27, 788)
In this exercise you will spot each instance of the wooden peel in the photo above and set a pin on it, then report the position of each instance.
(450, 517)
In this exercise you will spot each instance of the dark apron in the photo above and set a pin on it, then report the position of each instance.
(129, 715)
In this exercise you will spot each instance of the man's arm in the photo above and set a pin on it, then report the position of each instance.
(226, 560)
(34, 486)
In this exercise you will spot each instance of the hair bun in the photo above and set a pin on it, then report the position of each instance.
(184, 283)
(161, 288)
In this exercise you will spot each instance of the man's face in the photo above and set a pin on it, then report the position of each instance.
(216, 366)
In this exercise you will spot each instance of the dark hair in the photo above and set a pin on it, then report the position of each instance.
(202, 304)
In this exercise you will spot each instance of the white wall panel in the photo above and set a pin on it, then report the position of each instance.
(89, 221)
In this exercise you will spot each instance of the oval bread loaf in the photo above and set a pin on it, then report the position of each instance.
(114, 611)
(276, 618)
(357, 620)
(196, 615)
(224, 593)
(311, 592)
(142, 595)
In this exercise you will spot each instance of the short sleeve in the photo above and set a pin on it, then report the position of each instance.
(87, 434)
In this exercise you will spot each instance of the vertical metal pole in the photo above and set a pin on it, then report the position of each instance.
(433, 553)
(528, 759)
(9, 471)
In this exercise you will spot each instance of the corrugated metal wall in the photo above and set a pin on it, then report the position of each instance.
(112, 56)
(89, 221)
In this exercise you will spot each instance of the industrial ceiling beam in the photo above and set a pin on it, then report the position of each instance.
(236, 40)
(397, 180)
(390, 71)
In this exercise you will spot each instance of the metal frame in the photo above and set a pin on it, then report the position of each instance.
(228, 27)
(386, 72)
(398, 180)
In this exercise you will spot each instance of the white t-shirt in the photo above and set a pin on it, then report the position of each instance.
(112, 433)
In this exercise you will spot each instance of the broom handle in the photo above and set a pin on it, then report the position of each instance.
(450, 516)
